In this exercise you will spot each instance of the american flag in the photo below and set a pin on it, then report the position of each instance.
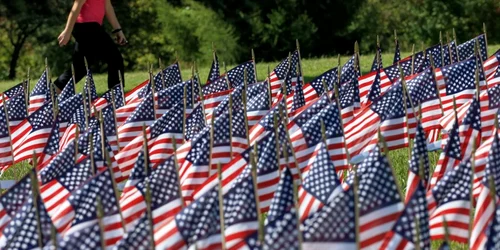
(491, 68)
(386, 113)
(132, 95)
(240, 213)
(17, 89)
(451, 202)
(350, 70)
(87, 238)
(349, 100)
(418, 153)
(305, 134)
(283, 199)
(397, 54)
(283, 233)
(258, 102)
(470, 129)
(377, 60)
(320, 185)
(449, 158)
(494, 80)
(195, 123)
(423, 92)
(481, 159)
(266, 124)
(13, 199)
(164, 190)
(160, 140)
(236, 75)
(17, 110)
(494, 232)
(393, 72)
(315, 88)
(32, 134)
(412, 224)
(333, 226)
(486, 204)
(40, 94)
(457, 81)
(139, 237)
(171, 77)
(212, 101)
(214, 73)
(22, 231)
(298, 96)
(466, 49)
(366, 81)
(197, 225)
(379, 210)
(278, 75)
(292, 75)
(138, 172)
(110, 127)
(6, 157)
(115, 92)
(67, 92)
(374, 92)
(61, 177)
(89, 90)
(144, 114)
(79, 210)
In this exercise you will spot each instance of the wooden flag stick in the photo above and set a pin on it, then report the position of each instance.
(485, 36)
(299, 64)
(455, 108)
(73, 77)
(355, 186)
(253, 163)
(449, 47)
(152, 80)
(441, 44)
(85, 114)
(193, 79)
(446, 230)
(325, 87)
(113, 106)
(149, 211)
(412, 59)
(456, 43)
(395, 36)
(471, 189)
(225, 75)
(53, 236)
(244, 100)
(417, 234)
(379, 56)
(35, 194)
(221, 208)
(269, 89)
(254, 65)
(100, 215)
(295, 198)
(289, 141)
(230, 121)
(27, 91)
(184, 115)
(382, 141)
(339, 70)
(323, 132)
(121, 86)
(357, 66)
(276, 138)
(160, 64)
(91, 153)
(176, 164)
(77, 135)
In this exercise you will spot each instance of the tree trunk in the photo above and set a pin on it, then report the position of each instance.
(14, 58)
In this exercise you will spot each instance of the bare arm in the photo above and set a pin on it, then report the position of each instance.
(111, 16)
(73, 15)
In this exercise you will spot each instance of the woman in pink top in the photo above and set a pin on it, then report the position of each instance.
(92, 42)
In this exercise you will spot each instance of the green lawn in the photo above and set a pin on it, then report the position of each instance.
(311, 68)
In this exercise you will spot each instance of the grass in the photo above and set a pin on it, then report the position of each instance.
(311, 68)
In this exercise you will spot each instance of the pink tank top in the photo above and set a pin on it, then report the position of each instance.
(92, 11)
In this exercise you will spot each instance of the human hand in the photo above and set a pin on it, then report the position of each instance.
(120, 38)
(63, 38)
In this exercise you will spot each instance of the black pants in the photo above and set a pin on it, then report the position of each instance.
(93, 43)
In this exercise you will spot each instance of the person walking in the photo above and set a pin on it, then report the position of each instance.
(92, 42)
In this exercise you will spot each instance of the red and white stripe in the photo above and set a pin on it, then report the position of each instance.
(210, 102)
(481, 159)
(131, 96)
(309, 204)
(167, 236)
(35, 142)
(124, 112)
(53, 195)
(6, 158)
(133, 206)
(276, 84)
(366, 81)
(35, 103)
(396, 241)
(127, 157)
(375, 225)
(338, 154)
(483, 215)
(456, 213)
(490, 66)
(237, 233)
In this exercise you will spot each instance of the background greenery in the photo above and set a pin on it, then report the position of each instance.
(187, 28)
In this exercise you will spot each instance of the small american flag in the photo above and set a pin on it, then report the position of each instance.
(283, 199)
(377, 60)
(16, 108)
(350, 71)
(450, 53)
(374, 93)
(17, 89)
(195, 123)
(236, 75)
(470, 129)
(13, 199)
(278, 75)
(291, 77)
(315, 88)
(258, 103)
(214, 73)
(80, 209)
(32, 134)
(298, 97)
(491, 69)
(451, 199)
(466, 49)
(40, 94)
(494, 232)
(418, 153)
(320, 185)
(67, 92)
(485, 206)
(366, 81)
(22, 231)
(282, 233)
(107, 98)
(89, 90)
(138, 172)
(404, 233)
(393, 72)
(333, 226)
(6, 157)
(143, 114)
(379, 210)
(481, 159)
(349, 99)
(386, 113)
(87, 238)
(171, 77)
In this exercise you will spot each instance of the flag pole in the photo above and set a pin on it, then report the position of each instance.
(184, 115)
(289, 141)
(379, 56)
(35, 194)
(406, 96)
(160, 64)
(211, 141)
(441, 49)
(485, 37)
(73, 77)
(471, 190)
(121, 86)
(149, 212)
(300, 59)
(85, 113)
(433, 68)
(456, 43)
(91, 153)
(253, 163)
(27, 91)
(449, 47)
(221, 208)
(230, 121)
(176, 164)
(269, 86)
(113, 105)
(153, 89)
(339, 70)
(192, 85)
(477, 52)
(77, 136)
(100, 215)
(412, 60)
(355, 187)
(295, 199)
(254, 65)
(357, 66)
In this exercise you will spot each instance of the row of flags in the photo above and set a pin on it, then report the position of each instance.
(241, 164)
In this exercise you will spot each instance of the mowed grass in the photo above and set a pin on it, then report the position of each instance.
(312, 67)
